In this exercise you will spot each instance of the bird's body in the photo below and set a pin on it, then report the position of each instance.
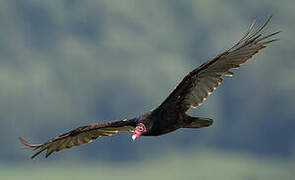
(171, 114)
(159, 121)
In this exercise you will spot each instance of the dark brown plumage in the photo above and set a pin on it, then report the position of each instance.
(171, 114)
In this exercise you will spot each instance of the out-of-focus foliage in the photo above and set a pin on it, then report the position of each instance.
(203, 165)
(68, 63)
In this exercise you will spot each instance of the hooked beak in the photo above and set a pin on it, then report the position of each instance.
(134, 137)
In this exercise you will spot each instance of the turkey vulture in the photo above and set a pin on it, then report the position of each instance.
(171, 114)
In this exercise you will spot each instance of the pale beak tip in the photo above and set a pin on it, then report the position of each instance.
(133, 137)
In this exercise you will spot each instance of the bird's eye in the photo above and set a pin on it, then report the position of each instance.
(140, 128)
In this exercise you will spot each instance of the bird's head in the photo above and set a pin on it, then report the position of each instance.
(139, 130)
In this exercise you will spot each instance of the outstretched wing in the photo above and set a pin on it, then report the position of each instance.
(202, 81)
(81, 136)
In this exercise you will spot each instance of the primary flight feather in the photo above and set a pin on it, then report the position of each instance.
(171, 114)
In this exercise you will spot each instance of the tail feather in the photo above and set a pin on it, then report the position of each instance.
(197, 122)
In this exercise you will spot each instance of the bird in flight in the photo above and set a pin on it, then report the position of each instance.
(170, 115)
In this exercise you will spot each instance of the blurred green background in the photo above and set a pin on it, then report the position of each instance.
(68, 63)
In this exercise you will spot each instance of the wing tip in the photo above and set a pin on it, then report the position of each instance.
(28, 145)
(24, 142)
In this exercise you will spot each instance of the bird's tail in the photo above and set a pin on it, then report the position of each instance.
(197, 122)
